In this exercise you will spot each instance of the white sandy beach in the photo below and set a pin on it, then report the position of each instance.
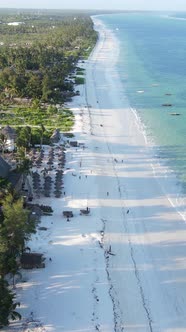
(141, 284)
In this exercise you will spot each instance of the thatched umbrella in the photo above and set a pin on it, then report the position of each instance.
(61, 165)
(57, 185)
(57, 193)
(59, 173)
(36, 181)
(47, 193)
(48, 177)
(50, 162)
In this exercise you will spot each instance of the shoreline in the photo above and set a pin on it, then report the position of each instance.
(121, 261)
(169, 182)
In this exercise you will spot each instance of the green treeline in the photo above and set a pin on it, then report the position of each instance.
(37, 55)
(17, 225)
(38, 72)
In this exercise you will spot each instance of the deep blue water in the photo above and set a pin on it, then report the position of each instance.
(153, 60)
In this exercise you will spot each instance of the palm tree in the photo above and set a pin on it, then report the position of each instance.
(14, 315)
(7, 304)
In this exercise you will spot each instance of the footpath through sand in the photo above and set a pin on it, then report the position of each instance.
(123, 267)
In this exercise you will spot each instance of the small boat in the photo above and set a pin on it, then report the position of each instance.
(175, 114)
(167, 105)
(140, 91)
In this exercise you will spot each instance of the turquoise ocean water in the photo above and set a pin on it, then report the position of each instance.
(152, 68)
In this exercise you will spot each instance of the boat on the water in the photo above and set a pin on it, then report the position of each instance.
(167, 105)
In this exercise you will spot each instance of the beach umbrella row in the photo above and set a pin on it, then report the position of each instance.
(50, 157)
(36, 180)
(47, 193)
(51, 153)
(57, 193)
(40, 158)
(58, 183)
(50, 161)
(47, 183)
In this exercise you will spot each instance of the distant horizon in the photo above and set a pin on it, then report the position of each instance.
(92, 9)
(103, 5)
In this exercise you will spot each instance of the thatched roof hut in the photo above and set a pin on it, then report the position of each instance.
(4, 168)
(9, 132)
(74, 144)
(32, 260)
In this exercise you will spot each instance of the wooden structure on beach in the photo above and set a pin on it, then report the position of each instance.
(74, 144)
(32, 260)
(68, 214)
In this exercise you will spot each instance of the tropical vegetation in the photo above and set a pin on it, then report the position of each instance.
(39, 52)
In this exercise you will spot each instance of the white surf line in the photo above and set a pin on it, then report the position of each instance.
(182, 214)
(141, 128)
(139, 125)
